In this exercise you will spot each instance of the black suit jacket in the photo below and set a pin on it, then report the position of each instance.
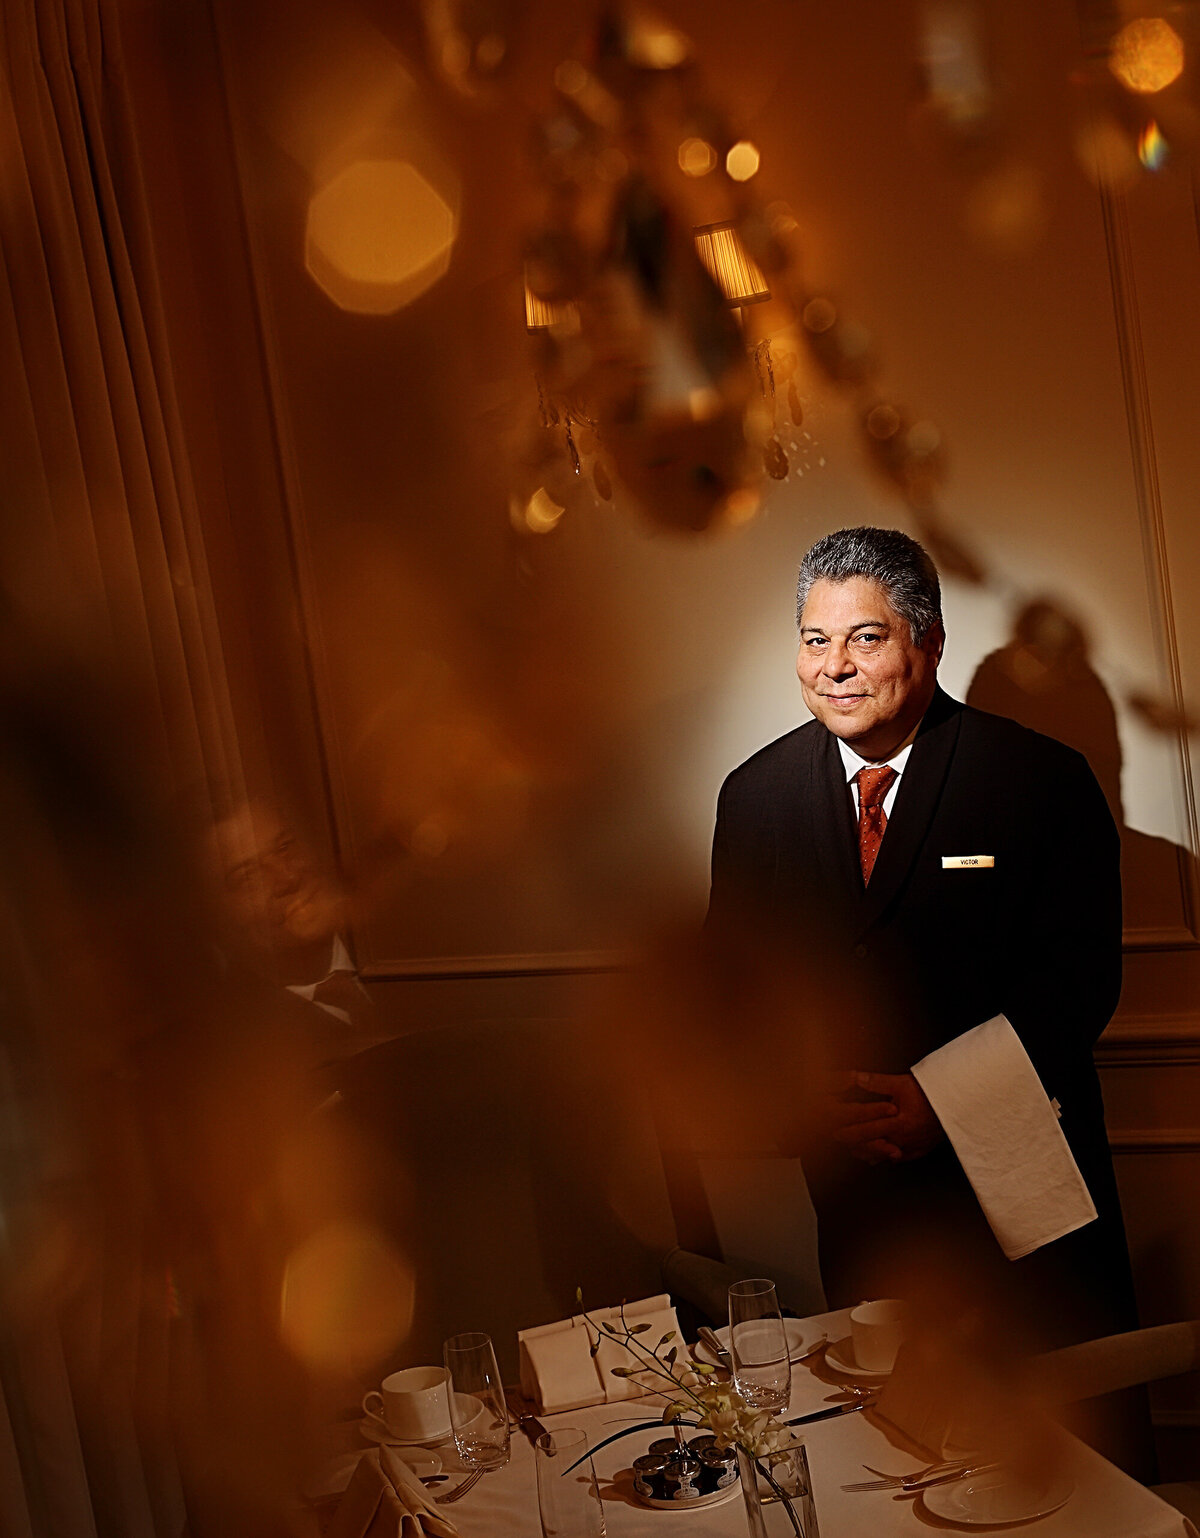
(925, 952)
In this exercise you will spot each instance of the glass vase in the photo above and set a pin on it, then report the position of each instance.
(777, 1495)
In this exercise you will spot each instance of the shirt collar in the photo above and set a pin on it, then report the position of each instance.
(339, 961)
(852, 763)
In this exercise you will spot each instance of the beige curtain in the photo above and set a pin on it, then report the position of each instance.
(101, 552)
(102, 516)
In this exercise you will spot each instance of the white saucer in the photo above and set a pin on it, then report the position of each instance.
(998, 1499)
(802, 1338)
(376, 1431)
(839, 1355)
(332, 1478)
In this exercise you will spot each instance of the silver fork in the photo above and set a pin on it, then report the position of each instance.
(459, 1490)
(921, 1479)
(898, 1481)
(939, 1466)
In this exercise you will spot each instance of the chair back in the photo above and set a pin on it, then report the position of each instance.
(753, 1213)
(1117, 1361)
(518, 1162)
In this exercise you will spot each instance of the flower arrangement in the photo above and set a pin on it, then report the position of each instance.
(697, 1390)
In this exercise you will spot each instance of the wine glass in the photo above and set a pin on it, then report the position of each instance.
(478, 1415)
(762, 1371)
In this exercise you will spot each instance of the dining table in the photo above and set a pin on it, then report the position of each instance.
(1103, 1501)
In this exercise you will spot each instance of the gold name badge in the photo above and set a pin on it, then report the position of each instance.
(968, 861)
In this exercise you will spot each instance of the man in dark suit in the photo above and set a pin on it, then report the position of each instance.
(951, 882)
(282, 914)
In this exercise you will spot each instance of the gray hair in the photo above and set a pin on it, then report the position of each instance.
(902, 568)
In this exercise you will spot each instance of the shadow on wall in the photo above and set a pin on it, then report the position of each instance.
(1043, 678)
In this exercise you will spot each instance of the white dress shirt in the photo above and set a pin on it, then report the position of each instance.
(339, 961)
(852, 764)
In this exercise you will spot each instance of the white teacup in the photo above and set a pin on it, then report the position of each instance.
(877, 1330)
(413, 1404)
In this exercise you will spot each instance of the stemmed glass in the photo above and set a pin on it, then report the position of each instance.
(758, 1345)
(478, 1415)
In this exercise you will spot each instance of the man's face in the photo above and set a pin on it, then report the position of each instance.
(277, 895)
(862, 674)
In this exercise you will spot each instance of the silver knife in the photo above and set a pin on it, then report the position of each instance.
(526, 1420)
(711, 1340)
(824, 1415)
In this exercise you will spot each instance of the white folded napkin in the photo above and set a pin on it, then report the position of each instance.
(385, 1499)
(558, 1371)
(569, 1364)
(991, 1104)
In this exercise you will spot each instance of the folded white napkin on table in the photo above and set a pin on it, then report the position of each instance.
(569, 1363)
(558, 1371)
(385, 1499)
(1004, 1129)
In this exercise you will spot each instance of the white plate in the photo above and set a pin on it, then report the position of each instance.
(839, 1356)
(375, 1431)
(802, 1337)
(998, 1499)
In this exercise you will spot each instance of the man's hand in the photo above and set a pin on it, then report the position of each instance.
(894, 1130)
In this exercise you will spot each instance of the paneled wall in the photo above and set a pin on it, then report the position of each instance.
(538, 726)
(1150, 1055)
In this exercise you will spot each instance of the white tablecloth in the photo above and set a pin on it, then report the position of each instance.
(1105, 1504)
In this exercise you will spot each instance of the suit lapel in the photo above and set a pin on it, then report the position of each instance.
(832, 824)
(916, 802)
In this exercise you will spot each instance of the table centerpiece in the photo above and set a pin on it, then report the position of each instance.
(703, 1397)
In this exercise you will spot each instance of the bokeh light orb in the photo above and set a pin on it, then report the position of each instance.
(571, 77)
(379, 234)
(1146, 55)
(538, 515)
(742, 161)
(1007, 209)
(696, 157)
(1107, 153)
(347, 1298)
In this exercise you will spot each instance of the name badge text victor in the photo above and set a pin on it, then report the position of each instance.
(968, 861)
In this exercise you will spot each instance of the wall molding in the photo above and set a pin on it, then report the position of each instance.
(473, 968)
(1154, 1140)
(1172, 937)
(1137, 1041)
(1124, 1034)
(1187, 1420)
(1144, 464)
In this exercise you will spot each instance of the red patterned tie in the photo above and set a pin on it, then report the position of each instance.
(873, 786)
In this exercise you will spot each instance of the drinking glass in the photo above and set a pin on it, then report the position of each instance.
(758, 1345)
(478, 1415)
(569, 1503)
